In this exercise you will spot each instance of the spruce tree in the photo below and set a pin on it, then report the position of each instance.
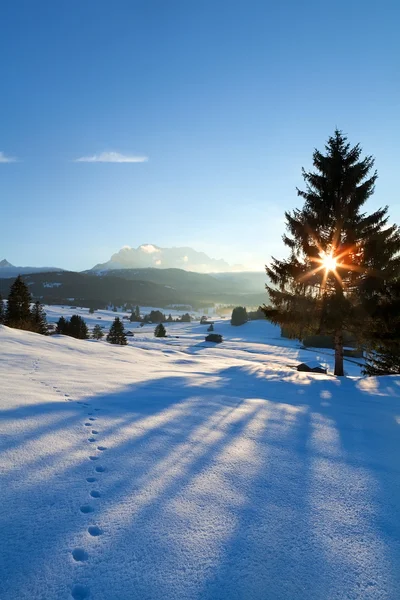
(116, 334)
(18, 313)
(39, 318)
(160, 331)
(340, 257)
(97, 333)
(2, 311)
(62, 325)
(77, 328)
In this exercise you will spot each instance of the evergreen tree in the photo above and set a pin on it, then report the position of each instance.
(91, 310)
(186, 318)
(39, 318)
(211, 328)
(135, 315)
(77, 328)
(18, 312)
(383, 344)
(340, 258)
(160, 331)
(170, 319)
(97, 333)
(239, 316)
(116, 334)
(2, 311)
(62, 325)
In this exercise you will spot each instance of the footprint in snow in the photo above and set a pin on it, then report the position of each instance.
(80, 592)
(93, 458)
(94, 530)
(101, 448)
(100, 469)
(95, 494)
(92, 418)
(91, 439)
(88, 424)
(86, 508)
(96, 409)
(79, 554)
(91, 479)
(94, 432)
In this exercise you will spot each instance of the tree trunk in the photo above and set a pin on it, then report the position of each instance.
(339, 353)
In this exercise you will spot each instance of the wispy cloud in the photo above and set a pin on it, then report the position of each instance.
(7, 159)
(112, 157)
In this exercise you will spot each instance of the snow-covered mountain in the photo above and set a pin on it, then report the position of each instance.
(149, 255)
(7, 270)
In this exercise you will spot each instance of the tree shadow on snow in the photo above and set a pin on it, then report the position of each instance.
(238, 486)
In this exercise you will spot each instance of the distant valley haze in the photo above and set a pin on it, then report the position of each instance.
(144, 256)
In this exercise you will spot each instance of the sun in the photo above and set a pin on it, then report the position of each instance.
(328, 261)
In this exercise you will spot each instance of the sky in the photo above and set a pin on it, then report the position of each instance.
(183, 123)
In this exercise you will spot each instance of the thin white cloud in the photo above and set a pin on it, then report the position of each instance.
(7, 159)
(112, 157)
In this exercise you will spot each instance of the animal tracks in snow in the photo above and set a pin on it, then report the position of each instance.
(80, 592)
(80, 555)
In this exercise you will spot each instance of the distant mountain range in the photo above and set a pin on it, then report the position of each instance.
(147, 276)
(149, 255)
(8, 270)
(147, 287)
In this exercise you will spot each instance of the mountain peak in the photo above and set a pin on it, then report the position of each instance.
(4, 263)
(150, 255)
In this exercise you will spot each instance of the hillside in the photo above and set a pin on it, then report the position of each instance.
(172, 468)
(146, 287)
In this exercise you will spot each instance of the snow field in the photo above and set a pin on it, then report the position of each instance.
(177, 469)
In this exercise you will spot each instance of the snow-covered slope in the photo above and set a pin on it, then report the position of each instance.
(176, 469)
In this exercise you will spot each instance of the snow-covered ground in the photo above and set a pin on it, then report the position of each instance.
(106, 317)
(174, 469)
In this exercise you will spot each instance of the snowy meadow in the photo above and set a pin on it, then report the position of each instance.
(177, 469)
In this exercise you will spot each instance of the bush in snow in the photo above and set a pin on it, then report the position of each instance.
(211, 328)
(214, 337)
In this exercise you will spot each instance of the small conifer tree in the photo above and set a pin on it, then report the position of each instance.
(39, 321)
(116, 335)
(18, 313)
(97, 333)
(160, 331)
(77, 328)
(2, 311)
(61, 326)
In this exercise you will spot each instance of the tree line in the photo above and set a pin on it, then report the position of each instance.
(21, 312)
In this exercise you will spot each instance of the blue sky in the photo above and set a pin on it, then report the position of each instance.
(225, 99)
